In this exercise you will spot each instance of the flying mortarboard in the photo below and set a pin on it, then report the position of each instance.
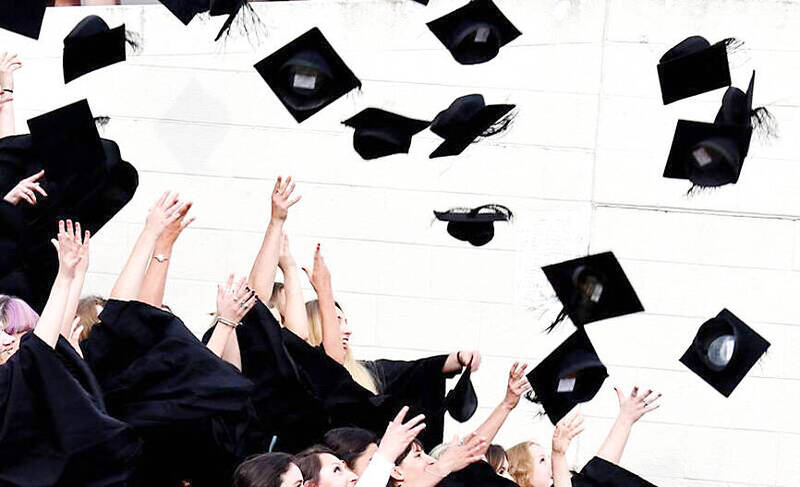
(475, 32)
(24, 17)
(466, 119)
(476, 225)
(379, 133)
(693, 66)
(92, 45)
(307, 74)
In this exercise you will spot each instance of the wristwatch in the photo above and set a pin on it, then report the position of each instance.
(161, 258)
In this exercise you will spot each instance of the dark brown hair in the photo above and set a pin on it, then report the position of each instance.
(263, 470)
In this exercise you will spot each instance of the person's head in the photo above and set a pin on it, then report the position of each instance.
(16, 319)
(359, 373)
(268, 470)
(529, 464)
(322, 468)
(277, 299)
(410, 466)
(497, 458)
(355, 446)
(89, 309)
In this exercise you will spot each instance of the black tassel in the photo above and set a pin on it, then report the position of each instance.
(101, 121)
(561, 316)
(499, 126)
(246, 21)
(764, 123)
(134, 41)
(732, 44)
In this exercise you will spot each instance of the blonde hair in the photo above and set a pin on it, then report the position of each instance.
(87, 312)
(358, 372)
(520, 463)
(274, 298)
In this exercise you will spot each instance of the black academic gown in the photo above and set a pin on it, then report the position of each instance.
(478, 474)
(89, 198)
(419, 384)
(284, 403)
(602, 473)
(53, 429)
(191, 409)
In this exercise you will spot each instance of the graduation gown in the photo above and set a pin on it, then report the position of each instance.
(283, 400)
(91, 198)
(419, 384)
(602, 473)
(191, 409)
(54, 430)
(478, 474)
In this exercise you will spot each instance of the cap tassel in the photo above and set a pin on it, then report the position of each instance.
(499, 126)
(764, 123)
(732, 44)
(246, 21)
(133, 40)
(102, 121)
(561, 316)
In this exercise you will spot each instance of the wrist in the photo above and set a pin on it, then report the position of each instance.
(625, 421)
(163, 249)
(509, 404)
(276, 222)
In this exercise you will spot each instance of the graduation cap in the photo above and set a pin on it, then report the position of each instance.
(67, 141)
(380, 133)
(24, 17)
(693, 66)
(475, 32)
(592, 288)
(713, 154)
(462, 402)
(92, 45)
(466, 119)
(307, 75)
(570, 375)
(476, 225)
(723, 351)
(186, 10)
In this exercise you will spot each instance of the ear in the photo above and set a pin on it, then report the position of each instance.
(397, 474)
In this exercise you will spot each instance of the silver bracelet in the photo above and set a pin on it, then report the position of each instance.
(227, 322)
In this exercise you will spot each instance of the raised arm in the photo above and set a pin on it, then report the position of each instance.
(570, 426)
(71, 250)
(155, 279)
(294, 310)
(517, 386)
(331, 331)
(129, 283)
(456, 360)
(233, 302)
(8, 64)
(631, 408)
(262, 275)
(456, 457)
(76, 286)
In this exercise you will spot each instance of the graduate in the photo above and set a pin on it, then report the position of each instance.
(55, 428)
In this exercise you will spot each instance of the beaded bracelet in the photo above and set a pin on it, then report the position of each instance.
(227, 322)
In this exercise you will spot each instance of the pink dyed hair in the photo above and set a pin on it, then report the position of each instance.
(16, 316)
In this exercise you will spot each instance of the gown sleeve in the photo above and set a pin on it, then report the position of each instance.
(602, 473)
(52, 432)
(192, 409)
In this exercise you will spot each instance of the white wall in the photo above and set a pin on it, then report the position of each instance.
(581, 169)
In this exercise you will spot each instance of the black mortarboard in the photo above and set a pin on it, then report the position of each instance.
(476, 225)
(713, 154)
(692, 67)
(570, 375)
(723, 351)
(462, 402)
(592, 288)
(466, 119)
(602, 473)
(475, 32)
(380, 133)
(67, 141)
(23, 16)
(185, 10)
(307, 75)
(92, 45)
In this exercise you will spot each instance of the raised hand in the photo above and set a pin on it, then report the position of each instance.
(173, 230)
(162, 214)
(285, 258)
(26, 190)
(568, 428)
(234, 300)
(461, 453)
(320, 276)
(282, 199)
(634, 406)
(399, 435)
(72, 250)
(517, 385)
(8, 64)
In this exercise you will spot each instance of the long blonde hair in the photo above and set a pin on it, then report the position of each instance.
(358, 372)
(87, 312)
(520, 463)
